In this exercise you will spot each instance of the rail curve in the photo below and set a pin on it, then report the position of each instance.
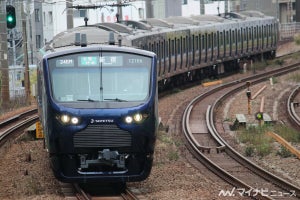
(220, 157)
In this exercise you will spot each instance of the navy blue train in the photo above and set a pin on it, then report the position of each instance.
(98, 102)
(98, 107)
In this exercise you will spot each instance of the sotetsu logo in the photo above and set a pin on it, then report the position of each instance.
(101, 121)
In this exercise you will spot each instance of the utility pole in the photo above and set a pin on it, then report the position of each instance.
(149, 9)
(70, 23)
(202, 7)
(226, 6)
(3, 58)
(25, 52)
(119, 8)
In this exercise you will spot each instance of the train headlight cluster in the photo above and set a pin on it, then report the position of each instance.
(136, 118)
(68, 120)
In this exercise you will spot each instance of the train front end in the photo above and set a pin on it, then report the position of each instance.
(99, 113)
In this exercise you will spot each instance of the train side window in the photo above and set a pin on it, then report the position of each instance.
(196, 42)
(181, 51)
(193, 49)
(271, 34)
(184, 45)
(200, 48)
(165, 46)
(227, 37)
(178, 46)
(221, 39)
(209, 41)
(173, 47)
(169, 55)
(167, 49)
(159, 56)
(215, 39)
(203, 42)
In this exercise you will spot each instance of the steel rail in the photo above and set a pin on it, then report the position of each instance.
(194, 146)
(293, 117)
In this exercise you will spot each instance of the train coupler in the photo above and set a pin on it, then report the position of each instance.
(105, 157)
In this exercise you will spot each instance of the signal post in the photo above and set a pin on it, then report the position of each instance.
(3, 57)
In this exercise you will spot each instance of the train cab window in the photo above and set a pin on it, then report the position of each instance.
(93, 78)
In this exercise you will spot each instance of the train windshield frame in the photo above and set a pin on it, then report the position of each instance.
(100, 77)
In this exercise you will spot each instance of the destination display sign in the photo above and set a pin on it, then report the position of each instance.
(105, 60)
(91, 61)
(65, 62)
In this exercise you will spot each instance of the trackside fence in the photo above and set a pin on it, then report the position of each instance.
(289, 30)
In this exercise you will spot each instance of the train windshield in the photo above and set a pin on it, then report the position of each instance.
(94, 77)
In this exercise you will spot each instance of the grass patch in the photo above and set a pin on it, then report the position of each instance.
(168, 148)
(288, 133)
(294, 77)
(297, 39)
(257, 142)
(284, 152)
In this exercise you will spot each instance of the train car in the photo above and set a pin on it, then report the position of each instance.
(98, 107)
(98, 102)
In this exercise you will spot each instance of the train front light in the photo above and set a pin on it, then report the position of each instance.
(138, 117)
(135, 118)
(65, 119)
(68, 120)
(128, 119)
(74, 120)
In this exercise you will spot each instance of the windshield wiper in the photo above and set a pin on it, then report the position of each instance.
(116, 99)
(89, 100)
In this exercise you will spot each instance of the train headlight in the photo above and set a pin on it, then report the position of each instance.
(74, 120)
(135, 118)
(128, 119)
(138, 117)
(65, 119)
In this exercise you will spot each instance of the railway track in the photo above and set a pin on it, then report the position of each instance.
(16, 124)
(123, 194)
(292, 103)
(206, 144)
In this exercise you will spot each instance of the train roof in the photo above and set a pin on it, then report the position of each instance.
(129, 29)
